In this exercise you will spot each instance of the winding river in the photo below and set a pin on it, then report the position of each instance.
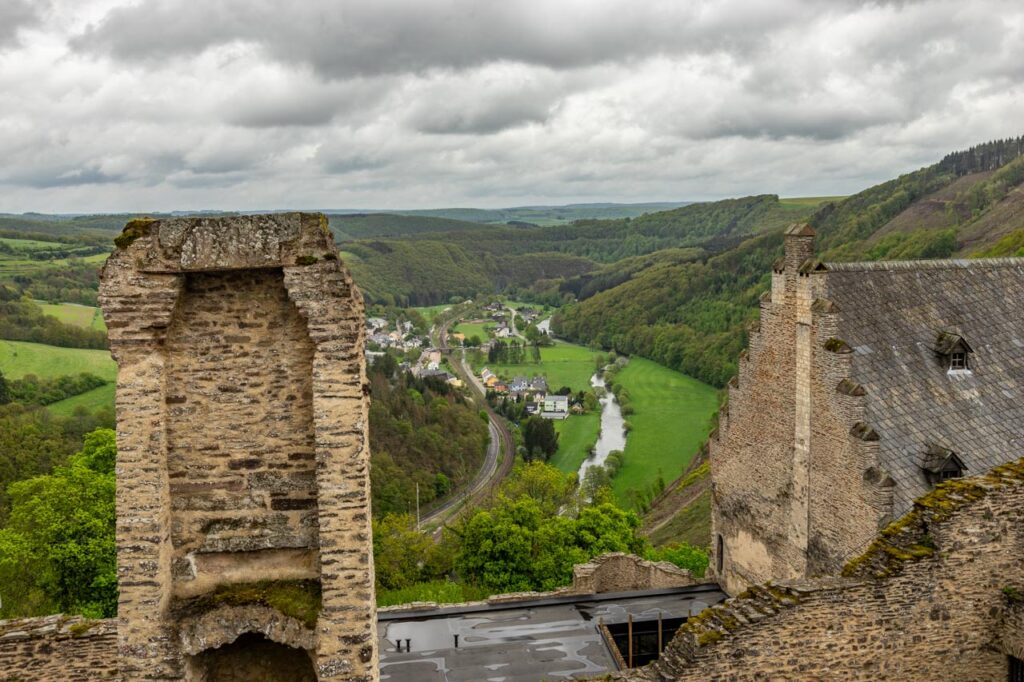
(613, 434)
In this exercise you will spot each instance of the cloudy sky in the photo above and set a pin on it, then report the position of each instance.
(111, 105)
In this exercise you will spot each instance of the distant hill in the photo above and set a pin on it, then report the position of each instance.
(534, 215)
(353, 226)
(454, 262)
(692, 316)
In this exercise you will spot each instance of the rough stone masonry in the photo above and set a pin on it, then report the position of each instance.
(243, 505)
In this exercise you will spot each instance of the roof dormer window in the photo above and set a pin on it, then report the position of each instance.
(941, 464)
(954, 351)
(958, 362)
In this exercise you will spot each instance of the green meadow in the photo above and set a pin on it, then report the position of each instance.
(471, 329)
(31, 244)
(564, 364)
(10, 266)
(576, 437)
(672, 419)
(91, 400)
(18, 358)
(431, 311)
(75, 314)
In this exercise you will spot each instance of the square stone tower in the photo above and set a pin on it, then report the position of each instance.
(243, 501)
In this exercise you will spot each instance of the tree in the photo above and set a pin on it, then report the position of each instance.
(552, 490)
(403, 556)
(691, 558)
(5, 395)
(515, 546)
(539, 437)
(442, 484)
(58, 552)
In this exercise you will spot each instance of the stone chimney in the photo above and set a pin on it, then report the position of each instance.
(799, 238)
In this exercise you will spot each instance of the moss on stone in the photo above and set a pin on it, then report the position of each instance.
(330, 256)
(305, 260)
(139, 227)
(908, 538)
(709, 637)
(81, 629)
(298, 599)
(1013, 595)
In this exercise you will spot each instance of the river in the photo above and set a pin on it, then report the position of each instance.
(613, 433)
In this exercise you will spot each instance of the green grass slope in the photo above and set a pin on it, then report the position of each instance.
(18, 358)
(576, 438)
(672, 419)
(87, 317)
(97, 398)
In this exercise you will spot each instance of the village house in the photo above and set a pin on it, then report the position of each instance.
(555, 406)
(865, 385)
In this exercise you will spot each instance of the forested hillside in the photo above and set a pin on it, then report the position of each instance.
(425, 268)
(692, 316)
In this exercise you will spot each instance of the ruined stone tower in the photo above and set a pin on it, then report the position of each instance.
(243, 506)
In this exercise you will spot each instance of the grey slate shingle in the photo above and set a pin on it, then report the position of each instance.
(891, 315)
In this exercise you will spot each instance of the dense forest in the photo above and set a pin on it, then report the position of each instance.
(423, 432)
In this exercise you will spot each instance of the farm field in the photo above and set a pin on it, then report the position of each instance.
(75, 314)
(576, 436)
(18, 358)
(474, 328)
(92, 400)
(30, 244)
(564, 364)
(431, 311)
(672, 419)
(20, 266)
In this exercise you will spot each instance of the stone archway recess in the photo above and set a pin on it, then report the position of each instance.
(142, 284)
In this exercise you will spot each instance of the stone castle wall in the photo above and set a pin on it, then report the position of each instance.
(796, 488)
(937, 597)
(242, 442)
(58, 649)
(243, 487)
(751, 456)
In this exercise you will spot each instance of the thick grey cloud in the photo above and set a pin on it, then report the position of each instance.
(355, 37)
(15, 15)
(160, 104)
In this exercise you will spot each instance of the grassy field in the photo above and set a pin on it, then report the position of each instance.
(75, 314)
(564, 364)
(474, 328)
(576, 436)
(21, 266)
(18, 358)
(431, 311)
(671, 420)
(30, 244)
(91, 400)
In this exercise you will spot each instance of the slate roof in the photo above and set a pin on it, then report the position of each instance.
(892, 314)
